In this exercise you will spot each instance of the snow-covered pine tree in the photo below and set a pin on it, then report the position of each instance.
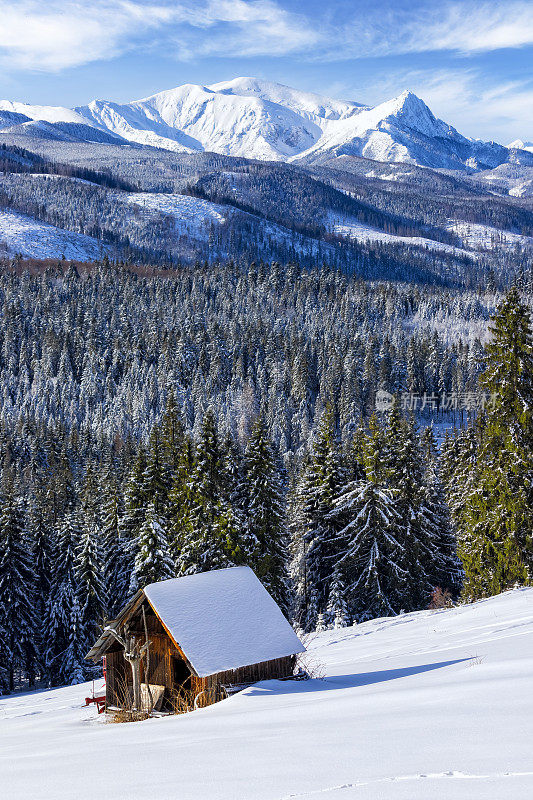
(314, 531)
(337, 608)
(404, 472)
(156, 477)
(40, 540)
(172, 437)
(18, 623)
(496, 540)
(64, 631)
(372, 557)
(447, 571)
(135, 506)
(91, 592)
(264, 541)
(208, 540)
(153, 561)
(116, 563)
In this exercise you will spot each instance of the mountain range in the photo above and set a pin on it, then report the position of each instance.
(267, 121)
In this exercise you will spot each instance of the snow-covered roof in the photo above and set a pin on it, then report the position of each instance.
(223, 619)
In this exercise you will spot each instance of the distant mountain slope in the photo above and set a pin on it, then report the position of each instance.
(32, 238)
(258, 119)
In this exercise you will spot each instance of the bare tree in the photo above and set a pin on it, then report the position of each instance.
(134, 652)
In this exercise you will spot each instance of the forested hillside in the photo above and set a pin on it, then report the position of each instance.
(163, 421)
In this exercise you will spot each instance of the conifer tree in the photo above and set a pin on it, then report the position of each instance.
(17, 589)
(41, 545)
(64, 630)
(337, 609)
(135, 506)
(153, 561)
(209, 539)
(116, 562)
(404, 471)
(496, 537)
(92, 595)
(372, 556)
(265, 537)
(315, 532)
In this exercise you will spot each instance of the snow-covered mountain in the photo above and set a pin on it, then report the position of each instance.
(519, 144)
(259, 119)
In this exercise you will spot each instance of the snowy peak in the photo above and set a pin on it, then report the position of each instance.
(254, 118)
(304, 103)
(519, 144)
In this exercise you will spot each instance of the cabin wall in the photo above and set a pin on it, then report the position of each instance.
(167, 666)
(264, 671)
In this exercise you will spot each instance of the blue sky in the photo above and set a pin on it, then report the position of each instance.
(472, 62)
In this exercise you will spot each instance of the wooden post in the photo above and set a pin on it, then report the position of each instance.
(133, 653)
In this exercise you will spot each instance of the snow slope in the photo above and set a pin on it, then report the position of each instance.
(45, 113)
(351, 228)
(485, 237)
(423, 706)
(519, 144)
(193, 218)
(29, 237)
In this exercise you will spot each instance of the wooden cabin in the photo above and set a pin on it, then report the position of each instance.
(208, 634)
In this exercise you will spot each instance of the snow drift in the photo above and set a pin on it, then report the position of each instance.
(431, 704)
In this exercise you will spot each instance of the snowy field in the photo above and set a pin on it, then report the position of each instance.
(425, 706)
(29, 237)
(351, 228)
(485, 237)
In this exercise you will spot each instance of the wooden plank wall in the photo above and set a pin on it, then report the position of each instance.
(266, 670)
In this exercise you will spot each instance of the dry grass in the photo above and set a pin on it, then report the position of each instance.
(311, 666)
(440, 598)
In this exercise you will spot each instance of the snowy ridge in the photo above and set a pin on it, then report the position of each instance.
(260, 119)
(432, 704)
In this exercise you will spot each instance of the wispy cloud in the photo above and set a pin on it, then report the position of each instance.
(67, 33)
(459, 26)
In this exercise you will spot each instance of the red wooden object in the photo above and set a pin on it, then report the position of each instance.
(98, 700)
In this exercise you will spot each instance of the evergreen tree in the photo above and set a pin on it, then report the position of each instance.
(64, 630)
(18, 623)
(496, 539)
(265, 538)
(92, 596)
(40, 541)
(153, 561)
(372, 556)
(209, 540)
(403, 471)
(315, 532)
(116, 577)
(337, 609)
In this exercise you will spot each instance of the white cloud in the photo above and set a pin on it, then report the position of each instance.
(480, 27)
(65, 33)
(463, 27)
